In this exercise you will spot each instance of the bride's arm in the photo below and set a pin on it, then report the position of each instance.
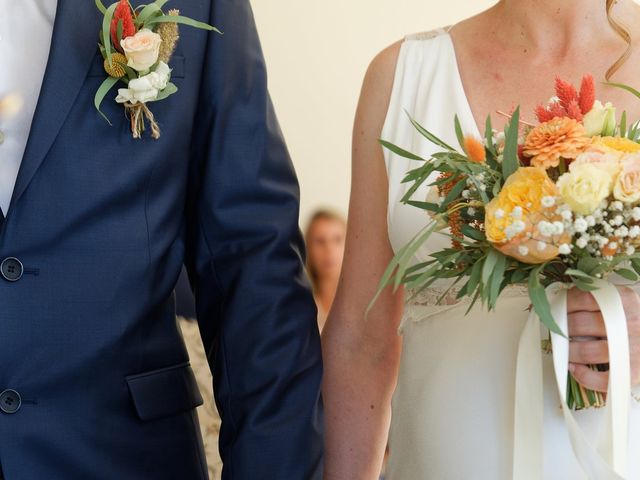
(361, 355)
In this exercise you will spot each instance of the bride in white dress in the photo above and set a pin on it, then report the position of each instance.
(446, 384)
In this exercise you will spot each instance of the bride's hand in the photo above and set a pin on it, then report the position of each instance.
(585, 320)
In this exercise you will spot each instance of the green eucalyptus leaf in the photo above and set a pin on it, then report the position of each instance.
(107, 85)
(511, 162)
(431, 207)
(455, 192)
(101, 7)
(429, 136)
(473, 233)
(400, 151)
(181, 20)
(496, 280)
(628, 274)
(148, 11)
(106, 31)
(459, 134)
(170, 89)
(583, 285)
(540, 301)
(628, 88)
(492, 257)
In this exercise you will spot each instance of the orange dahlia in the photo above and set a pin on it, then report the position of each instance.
(555, 139)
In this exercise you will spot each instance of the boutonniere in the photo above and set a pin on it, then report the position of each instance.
(137, 45)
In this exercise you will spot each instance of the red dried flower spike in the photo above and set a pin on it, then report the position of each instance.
(122, 12)
(587, 94)
(573, 111)
(565, 92)
(570, 104)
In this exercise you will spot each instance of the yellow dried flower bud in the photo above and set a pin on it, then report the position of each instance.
(116, 69)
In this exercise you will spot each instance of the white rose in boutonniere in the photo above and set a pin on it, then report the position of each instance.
(142, 49)
(146, 88)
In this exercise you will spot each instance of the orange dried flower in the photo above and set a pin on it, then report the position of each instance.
(611, 248)
(558, 138)
(455, 218)
(475, 149)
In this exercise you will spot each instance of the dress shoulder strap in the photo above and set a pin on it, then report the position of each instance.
(428, 35)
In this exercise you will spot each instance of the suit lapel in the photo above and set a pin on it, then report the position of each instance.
(74, 44)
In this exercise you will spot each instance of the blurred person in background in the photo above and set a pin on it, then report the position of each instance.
(325, 237)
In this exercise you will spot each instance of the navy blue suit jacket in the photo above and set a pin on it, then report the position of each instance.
(102, 224)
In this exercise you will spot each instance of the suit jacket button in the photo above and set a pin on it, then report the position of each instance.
(10, 401)
(11, 269)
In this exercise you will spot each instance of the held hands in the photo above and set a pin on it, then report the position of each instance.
(588, 345)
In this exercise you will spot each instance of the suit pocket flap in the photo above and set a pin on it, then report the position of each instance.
(164, 392)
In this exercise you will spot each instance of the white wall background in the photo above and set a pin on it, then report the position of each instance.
(317, 53)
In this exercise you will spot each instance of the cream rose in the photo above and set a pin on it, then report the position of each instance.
(606, 161)
(142, 49)
(600, 120)
(627, 185)
(584, 187)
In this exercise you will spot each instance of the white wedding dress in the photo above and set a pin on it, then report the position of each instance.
(453, 408)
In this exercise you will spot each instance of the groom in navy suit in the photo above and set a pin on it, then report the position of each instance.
(94, 377)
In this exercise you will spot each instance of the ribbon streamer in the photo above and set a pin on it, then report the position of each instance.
(610, 461)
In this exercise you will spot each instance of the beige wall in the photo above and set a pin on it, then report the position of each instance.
(317, 53)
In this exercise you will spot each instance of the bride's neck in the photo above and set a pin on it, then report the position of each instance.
(554, 25)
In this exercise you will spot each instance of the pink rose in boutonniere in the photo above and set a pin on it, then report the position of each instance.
(137, 45)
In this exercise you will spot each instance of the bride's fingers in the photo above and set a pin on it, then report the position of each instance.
(589, 352)
(580, 301)
(590, 379)
(586, 324)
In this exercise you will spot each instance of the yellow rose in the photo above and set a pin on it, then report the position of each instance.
(584, 187)
(511, 217)
(627, 185)
(142, 49)
(523, 189)
(617, 145)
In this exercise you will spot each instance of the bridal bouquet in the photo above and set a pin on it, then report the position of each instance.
(555, 201)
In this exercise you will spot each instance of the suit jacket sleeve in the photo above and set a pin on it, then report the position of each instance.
(245, 257)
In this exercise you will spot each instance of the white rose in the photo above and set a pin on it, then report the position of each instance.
(140, 90)
(600, 120)
(142, 49)
(160, 76)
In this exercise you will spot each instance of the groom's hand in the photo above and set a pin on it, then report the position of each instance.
(588, 344)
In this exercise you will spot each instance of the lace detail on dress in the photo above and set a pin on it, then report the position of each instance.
(428, 35)
(422, 305)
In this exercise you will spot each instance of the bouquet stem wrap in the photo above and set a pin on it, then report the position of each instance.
(607, 461)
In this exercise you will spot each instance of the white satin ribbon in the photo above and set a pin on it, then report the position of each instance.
(610, 461)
